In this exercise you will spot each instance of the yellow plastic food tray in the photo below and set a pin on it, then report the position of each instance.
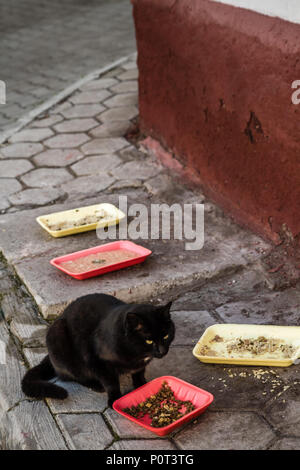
(114, 215)
(290, 334)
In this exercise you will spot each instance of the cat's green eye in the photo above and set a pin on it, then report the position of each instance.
(166, 337)
(149, 341)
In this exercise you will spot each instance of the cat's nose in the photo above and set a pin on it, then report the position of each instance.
(160, 351)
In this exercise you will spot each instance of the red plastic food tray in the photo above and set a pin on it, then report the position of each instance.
(201, 399)
(141, 255)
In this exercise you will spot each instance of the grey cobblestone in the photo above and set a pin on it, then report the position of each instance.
(87, 186)
(96, 164)
(57, 157)
(122, 99)
(20, 150)
(93, 96)
(9, 186)
(66, 140)
(118, 114)
(12, 168)
(31, 135)
(46, 177)
(30, 426)
(82, 110)
(76, 125)
(36, 197)
(84, 431)
(104, 146)
(126, 429)
(52, 55)
(111, 129)
(220, 431)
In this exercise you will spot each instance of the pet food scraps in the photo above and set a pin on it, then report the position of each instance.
(85, 220)
(97, 260)
(260, 346)
(163, 408)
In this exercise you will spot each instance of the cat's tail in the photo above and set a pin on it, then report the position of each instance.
(35, 385)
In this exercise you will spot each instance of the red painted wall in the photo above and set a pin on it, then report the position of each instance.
(215, 89)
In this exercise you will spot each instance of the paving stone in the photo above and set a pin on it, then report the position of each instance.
(9, 186)
(130, 65)
(136, 170)
(80, 400)
(132, 74)
(93, 96)
(30, 426)
(104, 145)
(123, 113)
(60, 108)
(283, 411)
(125, 87)
(87, 186)
(122, 99)
(21, 150)
(287, 443)
(31, 135)
(115, 72)
(143, 444)
(82, 110)
(66, 140)
(46, 177)
(24, 324)
(99, 84)
(34, 355)
(226, 431)
(96, 164)
(111, 129)
(84, 431)
(245, 285)
(125, 428)
(76, 125)
(267, 309)
(12, 168)
(11, 372)
(36, 197)
(29, 335)
(190, 326)
(57, 157)
(46, 121)
(4, 203)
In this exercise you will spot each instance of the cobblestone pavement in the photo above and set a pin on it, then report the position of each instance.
(47, 45)
(76, 154)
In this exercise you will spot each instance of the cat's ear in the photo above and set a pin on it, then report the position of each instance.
(165, 310)
(133, 322)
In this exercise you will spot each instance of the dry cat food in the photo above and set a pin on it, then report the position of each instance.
(86, 220)
(253, 346)
(97, 260)
(261, 345)
(162, 407)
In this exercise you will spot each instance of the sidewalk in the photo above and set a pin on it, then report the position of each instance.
(45, 46)
(74, 155)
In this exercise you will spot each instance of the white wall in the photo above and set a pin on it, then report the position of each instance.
(286, 9)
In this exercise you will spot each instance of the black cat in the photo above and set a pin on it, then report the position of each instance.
(96, 339)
